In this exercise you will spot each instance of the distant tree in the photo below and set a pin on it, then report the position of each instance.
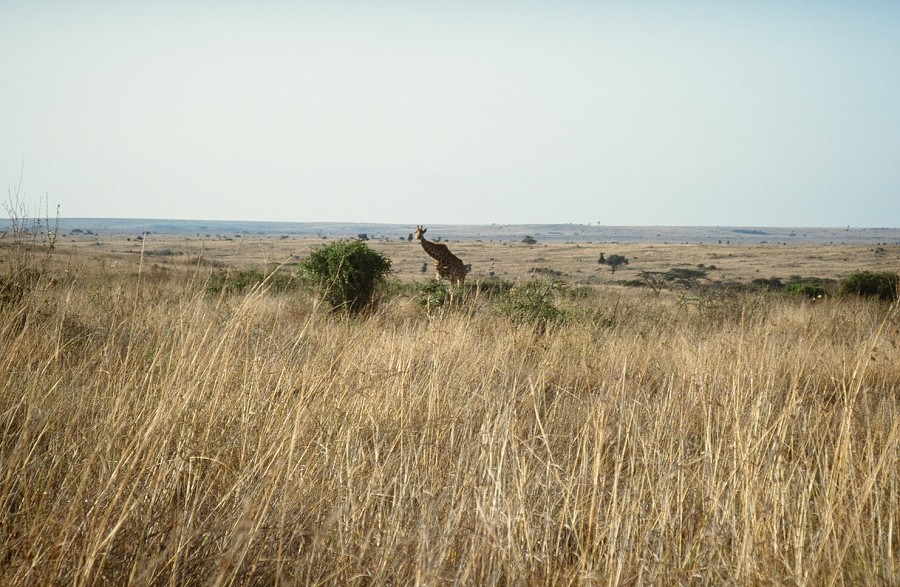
(655, 280)
(362, 236)
(685, 273)
(529, 240)
(602, 259)
(615, 261)
(685, 276)
(409, 238)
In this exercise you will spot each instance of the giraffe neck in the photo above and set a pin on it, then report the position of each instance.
(432, 249)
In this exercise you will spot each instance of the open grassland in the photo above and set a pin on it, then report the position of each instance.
(576, 261)
(152, 433)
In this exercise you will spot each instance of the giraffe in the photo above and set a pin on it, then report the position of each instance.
(446, 264)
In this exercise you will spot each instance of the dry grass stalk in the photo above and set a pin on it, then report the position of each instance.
(151, 434)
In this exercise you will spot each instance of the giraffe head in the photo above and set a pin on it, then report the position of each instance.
(420, 232)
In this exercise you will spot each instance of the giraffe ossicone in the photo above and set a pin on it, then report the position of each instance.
(446, 264)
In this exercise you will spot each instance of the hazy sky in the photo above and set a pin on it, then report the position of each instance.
(648, 113)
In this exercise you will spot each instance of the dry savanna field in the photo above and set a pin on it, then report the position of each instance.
(576, 261)
(156, 431)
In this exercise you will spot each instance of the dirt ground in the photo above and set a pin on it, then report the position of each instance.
(577, 262)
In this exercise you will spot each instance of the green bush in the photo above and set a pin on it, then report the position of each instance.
(490, 288)
(534, 302)
(432, 294)
(435, 293)
(868, 284)
(773, 284)
(346, 273)
(808, 287)
(806, 290)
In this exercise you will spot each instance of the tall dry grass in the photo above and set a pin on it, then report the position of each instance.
(152, 434)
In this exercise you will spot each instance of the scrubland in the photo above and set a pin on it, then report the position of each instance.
(153, 433)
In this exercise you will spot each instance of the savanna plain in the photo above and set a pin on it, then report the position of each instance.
(164, 421)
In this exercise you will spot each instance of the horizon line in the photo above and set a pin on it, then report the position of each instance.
(473, 224)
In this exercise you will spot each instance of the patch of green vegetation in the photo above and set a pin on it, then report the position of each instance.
(546, 271)
(771, 284)
(432, 294)
(613, 261)
(435, 294)
(346, 274)
(808, 287)
(534, 302)
(631, 282)
(882, 285)
(491, 288)
(232, 281)
(579, 292)
(685, 275)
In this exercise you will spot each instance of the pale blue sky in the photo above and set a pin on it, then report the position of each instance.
(634, 113)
